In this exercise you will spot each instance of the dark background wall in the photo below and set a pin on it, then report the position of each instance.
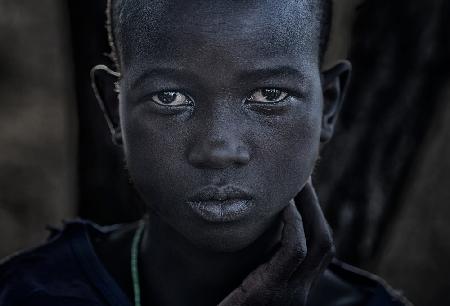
(383, 180)
(37, 125)
(400, 54)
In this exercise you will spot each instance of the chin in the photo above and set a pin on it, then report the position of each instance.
(225, 238)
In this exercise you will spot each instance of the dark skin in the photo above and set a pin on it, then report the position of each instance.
(220, 94)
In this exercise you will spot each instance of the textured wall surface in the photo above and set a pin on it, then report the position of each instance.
(417, 251)
(400, 55)
(383, 179)
(36, 143)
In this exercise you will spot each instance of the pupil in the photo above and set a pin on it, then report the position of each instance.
(271, 94)
(167, 97)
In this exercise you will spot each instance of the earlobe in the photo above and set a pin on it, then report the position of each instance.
(103, 81)
(334, 86)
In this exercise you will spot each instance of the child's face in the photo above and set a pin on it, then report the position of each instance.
(197, 111)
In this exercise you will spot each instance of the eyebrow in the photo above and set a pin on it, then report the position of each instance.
(273, 72)
(174, 73)
(181, 74)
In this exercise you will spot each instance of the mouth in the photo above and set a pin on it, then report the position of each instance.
(221, 204)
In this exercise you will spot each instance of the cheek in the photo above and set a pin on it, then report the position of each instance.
(288, 151)
(153, 155)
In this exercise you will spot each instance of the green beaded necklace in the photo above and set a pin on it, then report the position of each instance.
(134, 263)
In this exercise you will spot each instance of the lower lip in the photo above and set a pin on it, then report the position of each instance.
(222, 211)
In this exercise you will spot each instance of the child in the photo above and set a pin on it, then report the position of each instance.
(221, 112)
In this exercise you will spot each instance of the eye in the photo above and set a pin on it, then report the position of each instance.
(268, 95)
(171, 98)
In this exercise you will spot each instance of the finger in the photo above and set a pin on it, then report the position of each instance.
(318, 234)
(293, 247)
(288, 257)
(237, 297)
(268, 278)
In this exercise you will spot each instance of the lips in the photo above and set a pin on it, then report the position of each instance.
(221, 204)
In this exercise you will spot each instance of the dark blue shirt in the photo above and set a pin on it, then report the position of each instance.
(66, 271)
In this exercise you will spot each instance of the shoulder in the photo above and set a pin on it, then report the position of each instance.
(343, 284)
(47, 272)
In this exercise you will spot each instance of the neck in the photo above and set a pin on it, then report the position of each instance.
(171, 264)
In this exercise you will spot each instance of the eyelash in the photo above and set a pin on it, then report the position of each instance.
(288, 94)
(151, 96)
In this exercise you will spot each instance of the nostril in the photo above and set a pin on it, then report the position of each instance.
(218, 156)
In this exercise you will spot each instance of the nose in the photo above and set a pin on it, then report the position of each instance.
(218, 149)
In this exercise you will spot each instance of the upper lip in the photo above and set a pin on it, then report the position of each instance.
(222, 193)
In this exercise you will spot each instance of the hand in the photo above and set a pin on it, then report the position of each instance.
(306, 250)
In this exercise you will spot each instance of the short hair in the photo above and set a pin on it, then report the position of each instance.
(113, 7)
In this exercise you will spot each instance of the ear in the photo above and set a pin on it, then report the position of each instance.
(335, 82)
(104, 83)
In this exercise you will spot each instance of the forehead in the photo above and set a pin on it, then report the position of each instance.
(222, 34)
